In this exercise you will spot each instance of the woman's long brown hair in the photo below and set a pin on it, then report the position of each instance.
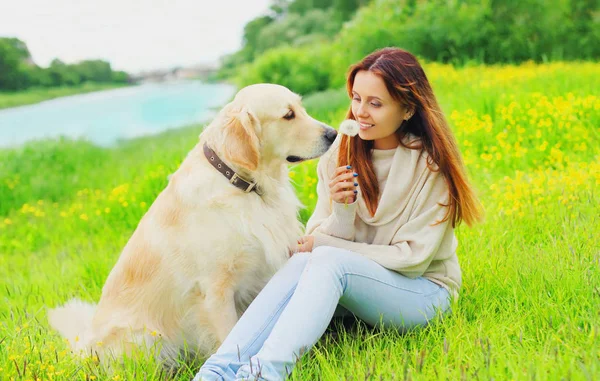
(407, 83)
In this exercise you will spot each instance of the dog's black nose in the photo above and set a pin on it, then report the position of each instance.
(331, 134)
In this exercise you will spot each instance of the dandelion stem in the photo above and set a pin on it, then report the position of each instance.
(348, 162)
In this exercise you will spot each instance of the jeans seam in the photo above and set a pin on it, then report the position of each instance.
(266, 324)
(391, 285)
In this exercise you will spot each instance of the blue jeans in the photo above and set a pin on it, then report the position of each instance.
(295, 307)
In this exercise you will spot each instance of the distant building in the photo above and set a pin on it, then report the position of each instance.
(194, 72)
(200, 71)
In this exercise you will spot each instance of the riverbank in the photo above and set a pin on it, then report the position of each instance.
(40, 94)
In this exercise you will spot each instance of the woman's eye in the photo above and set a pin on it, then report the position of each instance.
(375, 104)
(356, 99)
(290, 115)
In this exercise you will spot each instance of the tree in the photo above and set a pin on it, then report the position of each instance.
(93, 71)
(252, 32)
(344, 9)
(12, 73)
(280, 8)
(19, 46)
(296, 30)
(303, 6)
(60, 74)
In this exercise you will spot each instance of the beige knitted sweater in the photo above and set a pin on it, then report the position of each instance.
(402, 235)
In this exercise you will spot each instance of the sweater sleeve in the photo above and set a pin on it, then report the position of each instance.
(330, 218)
(414, 246)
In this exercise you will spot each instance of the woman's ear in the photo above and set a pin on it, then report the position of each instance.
(240, 142)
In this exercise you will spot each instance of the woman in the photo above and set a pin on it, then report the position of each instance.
(380, 243)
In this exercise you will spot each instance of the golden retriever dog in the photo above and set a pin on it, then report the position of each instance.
(224, 224)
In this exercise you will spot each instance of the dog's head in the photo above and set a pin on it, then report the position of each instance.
(266, 124)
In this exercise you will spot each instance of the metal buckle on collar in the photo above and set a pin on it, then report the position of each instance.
(235, 177)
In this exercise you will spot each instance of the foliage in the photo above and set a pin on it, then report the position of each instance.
(310, 71)
(296, 30)
(19, 72)
(461, 32)
(12, 75)
(292, 23)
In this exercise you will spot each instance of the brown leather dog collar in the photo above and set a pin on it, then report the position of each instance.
(230, 174)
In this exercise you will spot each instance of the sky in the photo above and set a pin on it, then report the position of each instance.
(133, 35)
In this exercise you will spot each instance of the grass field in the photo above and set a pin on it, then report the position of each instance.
(530, 305)
(37, 95)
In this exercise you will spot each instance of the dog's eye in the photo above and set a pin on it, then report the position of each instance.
(290, 115)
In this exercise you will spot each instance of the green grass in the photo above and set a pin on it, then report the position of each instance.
(36, 95)
(529, 308)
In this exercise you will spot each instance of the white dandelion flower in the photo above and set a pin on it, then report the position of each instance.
(349, 127)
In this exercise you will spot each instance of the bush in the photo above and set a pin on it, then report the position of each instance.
(302, 70)
(459, 32)
(448, 31)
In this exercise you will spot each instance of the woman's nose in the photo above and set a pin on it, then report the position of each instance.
(361, 112)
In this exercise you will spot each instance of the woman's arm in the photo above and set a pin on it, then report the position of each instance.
(329, 217)
(413, 248)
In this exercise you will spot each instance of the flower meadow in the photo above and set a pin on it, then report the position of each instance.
(530, 303)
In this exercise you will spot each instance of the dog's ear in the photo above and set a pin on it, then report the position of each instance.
(241, 143)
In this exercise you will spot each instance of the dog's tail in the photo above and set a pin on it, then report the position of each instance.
(73, 321)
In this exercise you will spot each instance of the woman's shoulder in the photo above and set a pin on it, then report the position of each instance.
(414, 145)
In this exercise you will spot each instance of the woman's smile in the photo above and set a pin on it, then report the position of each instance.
(365, 126)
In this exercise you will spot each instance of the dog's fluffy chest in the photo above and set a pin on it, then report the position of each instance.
(224, 226)
(276, 226)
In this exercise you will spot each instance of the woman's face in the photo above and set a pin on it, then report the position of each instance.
(377, 112)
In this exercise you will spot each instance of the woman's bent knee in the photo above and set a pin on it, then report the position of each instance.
(328, 258)
(298, 261)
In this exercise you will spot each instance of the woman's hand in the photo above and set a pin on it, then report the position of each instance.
(342, 188)
(305, 244)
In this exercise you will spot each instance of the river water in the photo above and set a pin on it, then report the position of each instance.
(106, 117)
